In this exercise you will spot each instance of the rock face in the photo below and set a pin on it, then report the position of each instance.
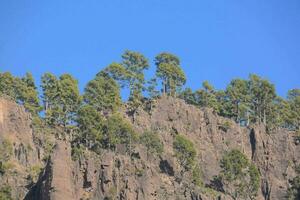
(56, 182)
(21, 153)
(116, 175)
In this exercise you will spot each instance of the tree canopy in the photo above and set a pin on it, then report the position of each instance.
(247, 101)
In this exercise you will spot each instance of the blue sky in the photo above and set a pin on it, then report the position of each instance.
(217, 40)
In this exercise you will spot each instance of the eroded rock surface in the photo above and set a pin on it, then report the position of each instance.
(116, 175)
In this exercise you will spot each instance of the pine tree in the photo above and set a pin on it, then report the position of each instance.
(103, 94)
(237, 92)
(170, 72)
(7, 85)
(69, 99)
(294, 102)
(29, 95)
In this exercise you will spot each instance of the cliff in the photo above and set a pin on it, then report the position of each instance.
(116, 175)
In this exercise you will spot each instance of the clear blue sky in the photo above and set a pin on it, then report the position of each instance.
(217, 40)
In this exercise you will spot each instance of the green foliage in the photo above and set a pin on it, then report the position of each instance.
(237, 92)
(151, 89)
(293, 192)
(152, 142)
(135, 63)
(139, 172)
(77, 152)
(90, 123)
(262, 93)
(188, 96)
(197, 176)
(6, 151)
(225, 126)
(118, 131)
(294, 102)
(241, 176)
(102, 93)
(206, 97)
(170, 72)
(184, 151)
(61, 99)
(50, 90)
(249, 101)
(7, 85)
(34, 172)
(21, 90)
(70, 98)
(5, 192)
(130, 73)
(29, 94)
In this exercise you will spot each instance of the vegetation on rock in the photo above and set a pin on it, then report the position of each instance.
(5, 192)
(239, 175)
(185, 151)
(152, 142)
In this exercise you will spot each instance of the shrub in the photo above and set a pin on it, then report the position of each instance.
(77, 152)
(139, 172)
(184, 151)
(225, 126)
(241, 176)
(197, 176)
(118, 131)
(294, 189)
(152, 142)
(34, 172)
(5, 193)
(6, 151)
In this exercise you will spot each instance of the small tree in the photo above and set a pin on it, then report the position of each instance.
(206, 97)
(8, 85)
(184, 151)
(152, 142)
(239, 176)
(135, 63)
(170, 72)
(237, 92)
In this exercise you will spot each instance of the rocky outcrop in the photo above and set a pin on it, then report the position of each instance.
(16, 138)
(116, 175)
(56, 182)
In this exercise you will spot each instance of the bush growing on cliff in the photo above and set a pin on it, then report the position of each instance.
(117, 130)
(6, 151)
(239, 176)
(184, 151)
(294, 189)
(152, 142)
(5, 193)
(293, 192)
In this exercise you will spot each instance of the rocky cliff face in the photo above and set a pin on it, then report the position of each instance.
(116, 175)
(20, 157)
